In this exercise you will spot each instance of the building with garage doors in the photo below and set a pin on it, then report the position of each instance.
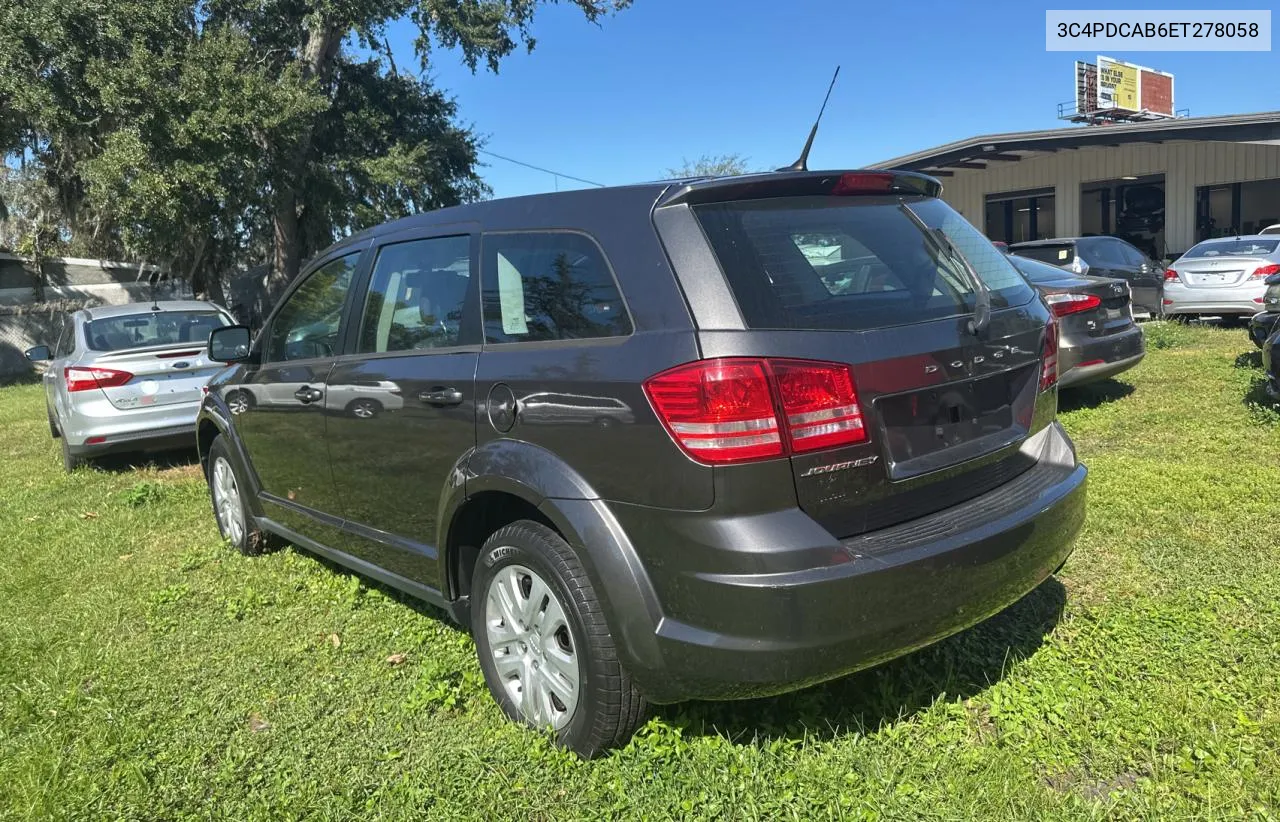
(1163, 185)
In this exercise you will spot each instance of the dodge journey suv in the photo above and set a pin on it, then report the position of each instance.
(707, 439)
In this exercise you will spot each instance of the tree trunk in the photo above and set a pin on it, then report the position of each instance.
(318, 51)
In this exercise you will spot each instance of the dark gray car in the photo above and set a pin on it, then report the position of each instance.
(704, 439)
(1097, 337)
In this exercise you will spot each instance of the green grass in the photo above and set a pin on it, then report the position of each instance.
(146, 671)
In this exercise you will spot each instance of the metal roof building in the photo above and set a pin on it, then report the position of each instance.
(1163, 185)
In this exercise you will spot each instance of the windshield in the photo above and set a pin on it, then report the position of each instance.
(152, 329)
(840, 263)
(1233, 248)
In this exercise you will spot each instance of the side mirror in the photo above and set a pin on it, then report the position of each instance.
(229, 344)
(39, 353)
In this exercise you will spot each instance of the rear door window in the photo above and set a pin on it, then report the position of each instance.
(541, 286)
(833, 263)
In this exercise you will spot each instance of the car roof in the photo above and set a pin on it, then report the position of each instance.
(600, 200)
(102, 311)
(1054, 241)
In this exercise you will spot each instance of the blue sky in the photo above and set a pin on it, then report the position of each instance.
(668, 79)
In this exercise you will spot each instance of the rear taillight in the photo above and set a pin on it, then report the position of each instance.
(1170, 275)
(1049, 365)
(1262, 272)
(1064, 304)
(728, 410)
(87, 379)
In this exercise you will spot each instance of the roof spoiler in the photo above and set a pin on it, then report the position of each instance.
(801, 184)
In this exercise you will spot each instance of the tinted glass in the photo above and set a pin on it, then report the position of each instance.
(1061, 254)
(1131, 256)
(1101, 252)
(835, 263)
(307, 324)
(1038, 272)
(150, 329)
(1233, 247)
(416, 296)
(549, 286)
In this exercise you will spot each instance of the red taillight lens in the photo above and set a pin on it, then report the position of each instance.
(863, 183)
(87, 379)
(1049, 365)
(1064, 304)
(726, 410)
(1262, 272)
(1170, 275)
(719, 411)
(818, 403)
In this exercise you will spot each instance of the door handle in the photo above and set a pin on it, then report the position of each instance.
(441, 396)
(307, 394)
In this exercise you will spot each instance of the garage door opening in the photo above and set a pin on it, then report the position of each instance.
(1131, 208)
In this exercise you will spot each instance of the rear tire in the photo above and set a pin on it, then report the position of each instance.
(70, 461)
(239, 401)
(544, 647)
(236, 523)
(364, 409)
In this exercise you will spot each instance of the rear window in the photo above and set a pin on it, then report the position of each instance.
(1038, 272)
(834, 263)
(152, 329)
(1232, 248)
(1052, 254)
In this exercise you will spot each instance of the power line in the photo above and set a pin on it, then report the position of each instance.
(543, 170)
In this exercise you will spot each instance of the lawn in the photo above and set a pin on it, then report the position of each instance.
(146, 671)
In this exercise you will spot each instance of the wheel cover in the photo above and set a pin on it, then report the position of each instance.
(239, 403)
(363, 409)
(226, 501)
(532, 647)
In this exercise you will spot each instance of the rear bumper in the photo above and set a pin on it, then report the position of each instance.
(877, 596)
(170, 438)
(1234, 301)
(1106, 357)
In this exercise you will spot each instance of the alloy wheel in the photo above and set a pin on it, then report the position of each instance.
(226, 501)
(532, 647)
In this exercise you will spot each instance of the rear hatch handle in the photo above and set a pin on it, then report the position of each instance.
(941, 244)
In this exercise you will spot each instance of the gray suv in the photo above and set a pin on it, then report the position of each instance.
(706, 439)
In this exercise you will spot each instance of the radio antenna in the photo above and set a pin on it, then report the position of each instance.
(802, 164)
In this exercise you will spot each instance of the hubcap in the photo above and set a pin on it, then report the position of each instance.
(532, 646)
(239, 403)
(226, 501)
(363, 410)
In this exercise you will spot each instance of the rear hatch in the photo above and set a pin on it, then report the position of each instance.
(1059, 254)
(854, 280)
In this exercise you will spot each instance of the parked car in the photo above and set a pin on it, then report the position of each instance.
(812, 463)
(1271, 229)
(1271, 365)
(1103, 257)
(1223, 277)
(1097, 337)
(124, 378)
(1264, 323)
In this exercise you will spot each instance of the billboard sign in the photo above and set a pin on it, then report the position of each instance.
(1124, 87)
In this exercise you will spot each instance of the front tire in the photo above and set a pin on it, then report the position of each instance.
(544, 647)
(236, 523)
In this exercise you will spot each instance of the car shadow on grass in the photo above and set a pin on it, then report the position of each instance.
(1093, 395)
(1249, 359)
(878, 698)
(1259, 402)
(181, 460)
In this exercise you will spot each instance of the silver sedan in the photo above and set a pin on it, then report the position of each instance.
(1224, 277)
(129, 377)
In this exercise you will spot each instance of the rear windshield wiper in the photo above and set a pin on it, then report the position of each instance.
(941, 244)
